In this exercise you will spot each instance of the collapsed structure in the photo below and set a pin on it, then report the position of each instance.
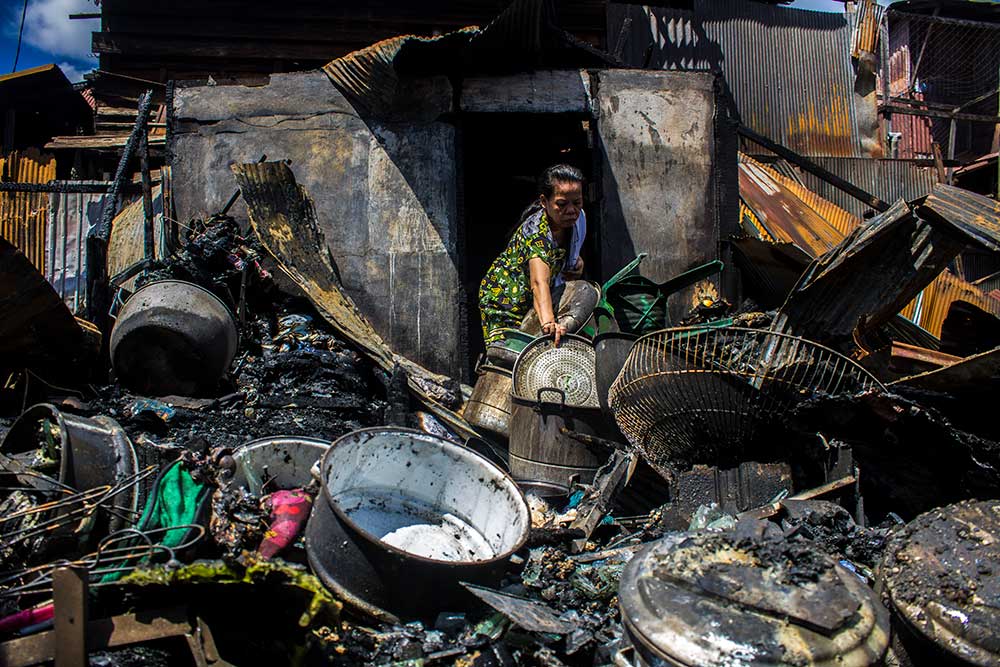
(246, 396)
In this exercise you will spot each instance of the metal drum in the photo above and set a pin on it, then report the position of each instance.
(555, 391)
(489, 407)
(173, 338)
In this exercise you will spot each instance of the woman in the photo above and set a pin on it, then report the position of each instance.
(551, 232)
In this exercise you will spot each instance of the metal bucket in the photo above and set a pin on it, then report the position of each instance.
(489, 408)
(279, 462)
(93, 452)
(404, 516)
(173, 338)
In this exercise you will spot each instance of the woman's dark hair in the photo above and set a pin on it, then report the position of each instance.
(557, 173)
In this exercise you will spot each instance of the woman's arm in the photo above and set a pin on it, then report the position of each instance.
(540, 276)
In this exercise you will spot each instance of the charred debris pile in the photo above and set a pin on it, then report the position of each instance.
(262, 480)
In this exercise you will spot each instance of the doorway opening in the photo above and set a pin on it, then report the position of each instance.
(503, 154)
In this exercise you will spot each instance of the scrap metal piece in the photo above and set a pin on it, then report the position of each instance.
(972, 214)
(719, 599)
(963, 373)
(883, 265)
(939, 577)
(863, 282)
(123, 630)
(283, 216)
(37, 330)
(531, 615)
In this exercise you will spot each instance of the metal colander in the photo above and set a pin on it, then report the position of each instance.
(694, 395)
(544, 372)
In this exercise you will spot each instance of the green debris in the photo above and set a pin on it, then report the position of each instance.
(256, 572)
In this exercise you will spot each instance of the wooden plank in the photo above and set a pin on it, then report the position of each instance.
(537, 92)
(934, 113)
(98, 141)
(69, 586)
(118, 43)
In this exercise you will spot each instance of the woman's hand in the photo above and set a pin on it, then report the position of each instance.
(576, 272)
(554, 328)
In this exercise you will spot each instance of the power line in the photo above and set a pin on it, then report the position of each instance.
(20, 31)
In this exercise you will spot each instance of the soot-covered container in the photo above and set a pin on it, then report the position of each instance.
(717, 599)
(939, 578)
(404, 516)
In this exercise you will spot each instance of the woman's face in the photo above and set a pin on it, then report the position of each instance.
(563, 207)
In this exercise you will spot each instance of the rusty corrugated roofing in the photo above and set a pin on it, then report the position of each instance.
(789, 70)
(790, 213)
(889, 180)
(931, 307)
(23, 214)
(517, 39)
(783, 211)
(867, 21)
(973, 214)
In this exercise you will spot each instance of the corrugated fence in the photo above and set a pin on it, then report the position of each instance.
(789, 71)
(23, 214)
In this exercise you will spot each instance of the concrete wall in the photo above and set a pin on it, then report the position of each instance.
(656, 133)
(385, 196)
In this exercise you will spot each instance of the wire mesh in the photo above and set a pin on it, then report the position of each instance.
(942, 65)
(693, 395)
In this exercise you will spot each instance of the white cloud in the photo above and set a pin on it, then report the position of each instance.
(73, 72)
(49, 28)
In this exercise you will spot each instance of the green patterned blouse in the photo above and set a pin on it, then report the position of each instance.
(505, 293)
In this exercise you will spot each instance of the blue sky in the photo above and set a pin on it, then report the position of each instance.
(50, 37)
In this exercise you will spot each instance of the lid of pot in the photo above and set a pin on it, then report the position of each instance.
(564, 374)
(940, 574)
(717, 599)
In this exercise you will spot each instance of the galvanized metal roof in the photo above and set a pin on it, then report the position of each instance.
(790, 213)
(789, 71)
(889, 180)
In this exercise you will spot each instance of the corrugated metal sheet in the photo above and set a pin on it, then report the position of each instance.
(889, 180)
(23, 214)
(791, 214)
(789, 71)
(70, 218)
(930, 308)
(916, 137)
(369, 77)
(516, 40)
(783, 212)
(974, 214)
(864, 37)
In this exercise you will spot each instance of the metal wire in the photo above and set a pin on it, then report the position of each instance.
(74, 507)
(118, 552)
(696, 395)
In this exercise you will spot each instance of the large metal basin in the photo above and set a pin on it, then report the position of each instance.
(173, 338)
(404, 516)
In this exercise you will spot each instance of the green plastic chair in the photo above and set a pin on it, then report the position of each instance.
(636, 304)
